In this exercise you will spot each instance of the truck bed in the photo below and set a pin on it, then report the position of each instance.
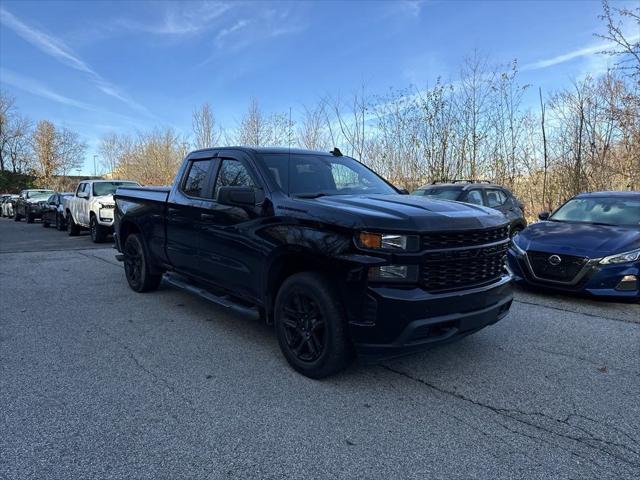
(156, 194)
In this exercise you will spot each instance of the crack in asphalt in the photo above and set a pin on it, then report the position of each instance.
(586, 314)
(517, 415)
(88, 255)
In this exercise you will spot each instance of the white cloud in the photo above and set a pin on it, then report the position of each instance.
(239, 25)
(57, 49)
(566, 57)
(34, 87)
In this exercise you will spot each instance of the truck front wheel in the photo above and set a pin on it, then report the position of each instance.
(310, 326)
(136, 266)
(98, 233)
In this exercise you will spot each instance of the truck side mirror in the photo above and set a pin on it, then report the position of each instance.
(237, 196)
(543, 215)
(83, 195)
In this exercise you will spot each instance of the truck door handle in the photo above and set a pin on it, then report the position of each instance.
(207, 216)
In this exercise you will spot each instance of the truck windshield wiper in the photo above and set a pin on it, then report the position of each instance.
(311, 195)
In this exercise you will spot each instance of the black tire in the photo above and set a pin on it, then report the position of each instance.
(310, 326)
(136, 266)
(73, 228)
(29, 217)
(45, 224)
(98, 232)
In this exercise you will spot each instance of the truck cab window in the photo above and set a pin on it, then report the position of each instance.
(475, 197)
(233, 174)
(194, 184)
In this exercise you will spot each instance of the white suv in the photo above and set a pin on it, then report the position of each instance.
(92, 207)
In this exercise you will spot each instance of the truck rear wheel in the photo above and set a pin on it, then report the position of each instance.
(136, 266)
(310, 326)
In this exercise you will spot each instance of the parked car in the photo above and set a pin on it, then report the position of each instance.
(322, 247)
(6, 207)
(28, 205)
(91, 207)
(479, 192)
(591, 244)
(53, 211)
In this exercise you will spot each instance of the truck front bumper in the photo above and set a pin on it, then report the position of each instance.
(397, 321)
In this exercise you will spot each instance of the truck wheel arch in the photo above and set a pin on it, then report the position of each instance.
(289, 263)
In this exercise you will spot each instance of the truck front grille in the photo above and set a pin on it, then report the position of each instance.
(565, 271)
(458, 269)
(436, 240)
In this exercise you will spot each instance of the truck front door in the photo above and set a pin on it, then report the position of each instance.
(210, 240)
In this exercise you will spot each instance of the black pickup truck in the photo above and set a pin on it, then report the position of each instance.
(334, 256)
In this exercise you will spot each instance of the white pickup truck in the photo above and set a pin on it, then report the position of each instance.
(91, 207)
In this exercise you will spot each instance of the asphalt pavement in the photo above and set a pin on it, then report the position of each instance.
(97, 381)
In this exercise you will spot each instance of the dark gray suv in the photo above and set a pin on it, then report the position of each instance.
(479, 192)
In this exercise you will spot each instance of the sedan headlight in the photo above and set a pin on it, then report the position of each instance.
(517, 247)
(388, 241)
(631, 256)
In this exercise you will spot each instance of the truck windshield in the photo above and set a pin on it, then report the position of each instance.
(617, 211)
(38, 193)
(109, 188)
(307, 175)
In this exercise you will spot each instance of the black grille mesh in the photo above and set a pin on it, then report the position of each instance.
(456, 269)
(565, 271)
(436, 240)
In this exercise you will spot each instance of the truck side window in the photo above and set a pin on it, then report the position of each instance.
(80, 188)
(475, 197)
(232, 173)
(195, 183)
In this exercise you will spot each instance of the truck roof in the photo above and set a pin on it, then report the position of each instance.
(272, 150)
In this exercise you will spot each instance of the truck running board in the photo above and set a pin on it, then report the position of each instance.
(222, 300)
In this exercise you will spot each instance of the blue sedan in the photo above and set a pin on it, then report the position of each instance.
(591, 245)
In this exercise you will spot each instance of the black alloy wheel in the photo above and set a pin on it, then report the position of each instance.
(304, 327)
(136, 266)
(133, 264)
(310, 324)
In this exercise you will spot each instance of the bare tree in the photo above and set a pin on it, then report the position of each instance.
(311, 131)
(626, 50)
(254, 127)
(205, 131)
(56, 151)
(14, 136)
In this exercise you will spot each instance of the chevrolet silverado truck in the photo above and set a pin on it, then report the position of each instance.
(91, 207)
(317, 244)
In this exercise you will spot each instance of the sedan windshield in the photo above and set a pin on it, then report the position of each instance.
(440, 193)
(311, 176)
(618, 211)
(109, 188)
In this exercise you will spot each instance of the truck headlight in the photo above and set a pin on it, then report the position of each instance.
(624, 257)
(388, 241)
(394, 273)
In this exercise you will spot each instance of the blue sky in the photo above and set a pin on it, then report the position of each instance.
(121, 66)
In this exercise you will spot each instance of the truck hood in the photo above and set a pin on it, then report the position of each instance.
(104, 199)
(400, 213)
(581, 239)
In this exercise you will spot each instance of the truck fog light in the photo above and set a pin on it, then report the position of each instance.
(628, 282)
(394, 273)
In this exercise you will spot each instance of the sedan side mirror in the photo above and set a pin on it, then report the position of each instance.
(237, 196)
(543, 215)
